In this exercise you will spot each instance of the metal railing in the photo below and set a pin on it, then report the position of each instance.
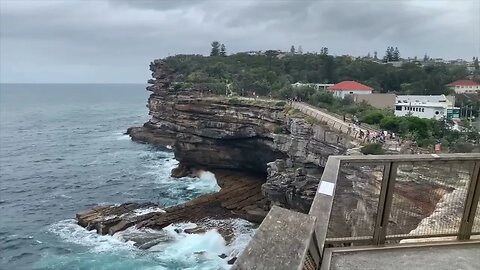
(383, 199)
(373, 200)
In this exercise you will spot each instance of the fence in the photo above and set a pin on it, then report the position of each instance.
(391, 198)
(373, 200)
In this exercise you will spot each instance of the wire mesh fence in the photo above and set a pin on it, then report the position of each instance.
(354, 209)
(389, 201)
(429, 199)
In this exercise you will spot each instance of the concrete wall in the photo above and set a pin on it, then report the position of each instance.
(381, 101)
(343, 93)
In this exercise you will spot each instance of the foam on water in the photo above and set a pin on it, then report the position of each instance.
(69, 231)
(144, 211)
(177, 251)
(206, 182)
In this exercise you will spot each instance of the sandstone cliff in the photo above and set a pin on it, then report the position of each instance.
(270, 139)
(212, 132)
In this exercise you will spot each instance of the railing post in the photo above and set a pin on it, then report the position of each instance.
(385, 203)
(471, 203)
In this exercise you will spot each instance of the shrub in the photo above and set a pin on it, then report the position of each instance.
(278, 130)
(372, 149)
(390, 123)
(311, 120)
(373, 117)
(234, 101)
(280, 103)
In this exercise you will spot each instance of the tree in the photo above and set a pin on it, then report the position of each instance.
(475, 63)
(368, 55)
(215, 49)
(375, 55)
(300, 50)
(388, 54)
(223, 50)
(396, 54)
(292, 49)
(426, 58)
(324, 51)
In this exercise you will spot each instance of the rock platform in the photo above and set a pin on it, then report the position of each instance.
(240, 196)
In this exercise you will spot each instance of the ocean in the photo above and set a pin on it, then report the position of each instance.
(62, 150)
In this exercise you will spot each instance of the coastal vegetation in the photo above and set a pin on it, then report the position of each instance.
(372, 149)
(271, 74)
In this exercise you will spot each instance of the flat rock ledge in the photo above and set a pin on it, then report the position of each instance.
(240, 198)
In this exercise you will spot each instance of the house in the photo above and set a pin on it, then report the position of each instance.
(464, 86)
(429, 107)
(317, 86)
(344, 88)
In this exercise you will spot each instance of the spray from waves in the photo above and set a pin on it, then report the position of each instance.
(206, 182)
(177, 251)
(120, 136)
(69, 231)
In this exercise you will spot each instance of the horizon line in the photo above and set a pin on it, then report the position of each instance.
(73, 83)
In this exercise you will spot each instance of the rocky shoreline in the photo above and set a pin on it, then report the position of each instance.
(240, 197)
(262, 153)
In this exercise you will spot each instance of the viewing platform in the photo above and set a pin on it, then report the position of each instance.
(420, 212)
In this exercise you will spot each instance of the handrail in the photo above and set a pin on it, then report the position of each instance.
(323, 203)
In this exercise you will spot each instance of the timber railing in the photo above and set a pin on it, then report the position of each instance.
(372, 201)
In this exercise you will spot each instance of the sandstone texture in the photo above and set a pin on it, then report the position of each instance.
(212, 132)
(285, 149)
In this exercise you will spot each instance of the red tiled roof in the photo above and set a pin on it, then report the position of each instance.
(350, 85)
(463, 83)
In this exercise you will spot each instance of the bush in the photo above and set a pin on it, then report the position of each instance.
(373, 117)
(391, 123)
(311, 120)
(372, 149)
(234, 101)
(278, 130)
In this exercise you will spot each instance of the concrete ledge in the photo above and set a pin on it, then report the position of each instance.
(281, 242)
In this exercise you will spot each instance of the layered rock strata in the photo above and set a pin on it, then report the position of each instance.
(271, 140)
(239, 197)
(212, 132)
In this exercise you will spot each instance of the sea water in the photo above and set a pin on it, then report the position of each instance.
(62, 149)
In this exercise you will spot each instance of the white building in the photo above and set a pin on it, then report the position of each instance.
(345, 88)
(316, 86)
(464, 86)
(424, 106)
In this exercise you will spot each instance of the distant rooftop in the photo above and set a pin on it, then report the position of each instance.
(350, 85)
(463, 83)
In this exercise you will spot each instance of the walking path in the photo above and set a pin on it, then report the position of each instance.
(334, 122)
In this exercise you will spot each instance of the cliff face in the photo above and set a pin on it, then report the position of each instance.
(211, 132)
(270, 139)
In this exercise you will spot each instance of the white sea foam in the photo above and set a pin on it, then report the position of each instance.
(192, 251)
(148, 210)
(71, 232)
(206, 182)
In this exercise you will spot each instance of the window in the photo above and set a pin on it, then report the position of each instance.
(423, 110)
(436, 112)
(398, 108)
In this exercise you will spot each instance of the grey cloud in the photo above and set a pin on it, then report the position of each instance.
(97, 41)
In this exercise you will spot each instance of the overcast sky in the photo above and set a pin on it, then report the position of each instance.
(114, 40)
